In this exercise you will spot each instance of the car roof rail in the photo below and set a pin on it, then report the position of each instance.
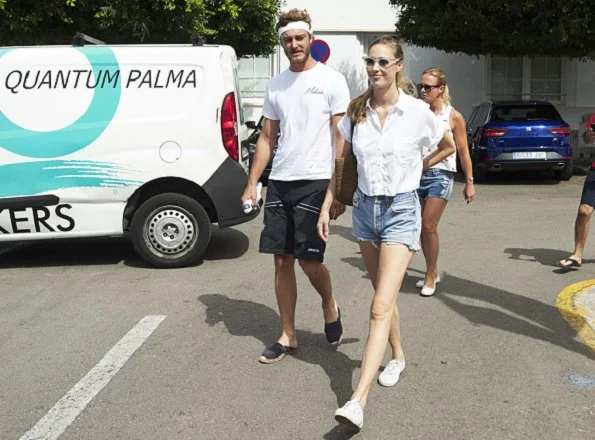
(197, 39)
(80, 39)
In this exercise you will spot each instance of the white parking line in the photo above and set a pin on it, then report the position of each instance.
(55, 422)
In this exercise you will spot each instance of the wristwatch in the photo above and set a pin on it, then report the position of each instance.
(469, 179)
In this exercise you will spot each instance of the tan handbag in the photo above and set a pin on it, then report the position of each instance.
(346, 176)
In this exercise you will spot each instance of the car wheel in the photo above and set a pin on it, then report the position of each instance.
(565, 173)
(170, 230)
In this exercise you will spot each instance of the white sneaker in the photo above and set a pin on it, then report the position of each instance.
(351, 414)
(420, 283)
(392, 372)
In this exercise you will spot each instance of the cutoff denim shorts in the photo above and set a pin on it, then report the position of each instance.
(436, 183)
(387, 219)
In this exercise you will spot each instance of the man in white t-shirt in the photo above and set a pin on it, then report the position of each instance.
(304, 104)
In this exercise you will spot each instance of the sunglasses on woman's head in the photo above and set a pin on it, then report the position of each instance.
(383, 62)
(427, 87)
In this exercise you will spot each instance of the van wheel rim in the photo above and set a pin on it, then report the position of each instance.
(171, 231)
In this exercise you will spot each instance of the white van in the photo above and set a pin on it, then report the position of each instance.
(105, 140)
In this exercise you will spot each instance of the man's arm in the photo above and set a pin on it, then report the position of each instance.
(337, 208)
(262, 154)
(339, 141)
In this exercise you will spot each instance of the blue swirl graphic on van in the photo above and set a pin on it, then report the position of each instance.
(30, 178)
(86, 129)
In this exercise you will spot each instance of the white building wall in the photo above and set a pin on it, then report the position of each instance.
(585, 83)
(580, 92)
(348, 26)
(348, 15)
(466, 74)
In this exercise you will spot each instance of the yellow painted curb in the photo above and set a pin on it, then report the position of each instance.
(574, 315)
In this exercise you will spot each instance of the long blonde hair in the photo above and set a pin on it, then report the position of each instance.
(357, 107)
(442, 81)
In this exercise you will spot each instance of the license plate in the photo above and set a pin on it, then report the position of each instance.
(529, 155)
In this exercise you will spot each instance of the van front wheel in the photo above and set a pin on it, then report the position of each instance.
(170, 230)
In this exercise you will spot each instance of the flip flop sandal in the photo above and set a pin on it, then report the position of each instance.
(573, 263)
(275, 353)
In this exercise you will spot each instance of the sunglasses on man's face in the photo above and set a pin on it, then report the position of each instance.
(383, 62)
(428, 87)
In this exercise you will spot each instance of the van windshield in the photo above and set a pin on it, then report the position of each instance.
(524, 113)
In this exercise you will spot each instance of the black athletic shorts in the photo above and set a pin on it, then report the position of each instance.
(291, 213)
(588, 197)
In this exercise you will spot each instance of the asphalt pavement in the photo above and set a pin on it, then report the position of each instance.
(97, 346)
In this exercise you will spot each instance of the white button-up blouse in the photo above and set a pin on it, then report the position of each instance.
(389, 158)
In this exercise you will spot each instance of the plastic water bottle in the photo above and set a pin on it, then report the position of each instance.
(247, 206)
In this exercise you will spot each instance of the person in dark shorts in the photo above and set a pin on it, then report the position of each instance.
(585, 210)
(304, 104)
(289, 204)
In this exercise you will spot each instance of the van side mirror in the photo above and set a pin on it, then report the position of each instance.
(251, 125)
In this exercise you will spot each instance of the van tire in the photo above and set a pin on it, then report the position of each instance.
(170, 230)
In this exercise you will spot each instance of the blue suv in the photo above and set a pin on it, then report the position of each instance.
(519, 135)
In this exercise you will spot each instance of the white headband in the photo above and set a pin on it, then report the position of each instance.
(295, 25)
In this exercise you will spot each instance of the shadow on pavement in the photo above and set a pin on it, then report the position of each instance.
(545, 321)
(533, 318)
(408, 285)
(343, 231)
(341, 432)
(225, 244)
(247, 318)
(68, 252)
(547, 257)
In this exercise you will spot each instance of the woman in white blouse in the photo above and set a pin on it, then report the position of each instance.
(387, 130)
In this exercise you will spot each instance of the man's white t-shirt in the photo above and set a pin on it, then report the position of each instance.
(304, 103)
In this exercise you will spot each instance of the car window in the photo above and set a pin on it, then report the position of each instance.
(482, 115)
(525, 113)
(470, 121)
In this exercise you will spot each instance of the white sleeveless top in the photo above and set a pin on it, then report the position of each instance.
(450, 163)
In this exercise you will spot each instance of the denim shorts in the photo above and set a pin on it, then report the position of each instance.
(436, 183)
(387, 219)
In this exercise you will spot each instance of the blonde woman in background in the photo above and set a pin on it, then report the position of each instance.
(386, 129)
(436, 183)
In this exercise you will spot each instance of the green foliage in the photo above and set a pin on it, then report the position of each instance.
(247, 25)
(500, 27)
